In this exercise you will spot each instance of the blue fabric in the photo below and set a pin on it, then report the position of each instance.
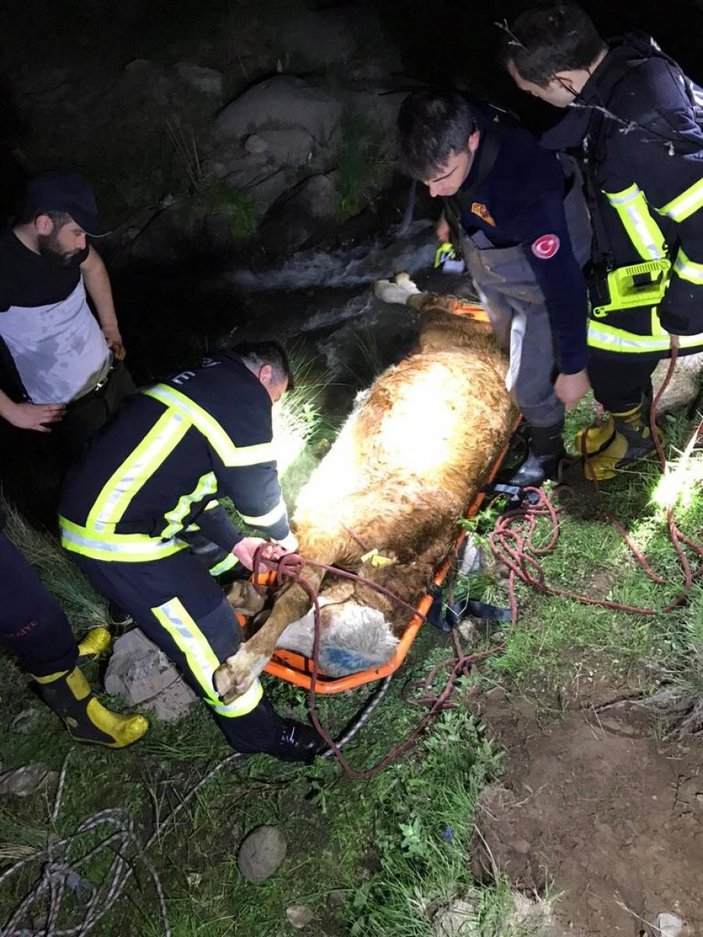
(523, 195)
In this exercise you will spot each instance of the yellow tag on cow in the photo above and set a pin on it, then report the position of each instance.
(376, 559)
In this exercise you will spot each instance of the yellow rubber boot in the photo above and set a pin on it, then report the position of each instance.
(632, 440)
(596, 438)
(68, 693)
(95, 642)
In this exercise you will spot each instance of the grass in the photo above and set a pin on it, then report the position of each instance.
(395, 850)
(361, 162)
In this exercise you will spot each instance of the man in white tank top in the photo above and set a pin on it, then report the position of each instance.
(60, 365)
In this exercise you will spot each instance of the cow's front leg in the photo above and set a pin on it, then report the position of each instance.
(237, 673)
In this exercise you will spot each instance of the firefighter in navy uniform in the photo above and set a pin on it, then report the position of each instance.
(633, 122)
(35, 629)
(523, 226)
(148, 477)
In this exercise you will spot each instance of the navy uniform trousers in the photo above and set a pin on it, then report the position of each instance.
(33, 626)
(181, 608)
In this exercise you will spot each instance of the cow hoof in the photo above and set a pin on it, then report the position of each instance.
(234, 677)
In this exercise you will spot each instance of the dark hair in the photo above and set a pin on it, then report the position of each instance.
(27, 215)
(432, 126)
(550, 39)
(271, 352)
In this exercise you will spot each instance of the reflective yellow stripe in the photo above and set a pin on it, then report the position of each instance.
(211, 505)
(127, 480)
(230, 454)
(112, 547)
(201, 658)
(641, 228)
(688, 269)
(265, 520)
(207, 485)
(227, 563)
(608, 338)
(684, 205)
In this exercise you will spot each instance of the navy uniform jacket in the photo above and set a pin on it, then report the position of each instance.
(520, 201)
(167, 453)
(634, 128)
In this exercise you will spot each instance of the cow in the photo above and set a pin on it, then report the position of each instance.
(406, 464)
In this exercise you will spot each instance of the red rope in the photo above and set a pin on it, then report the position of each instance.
(289, 568)
(512, 540)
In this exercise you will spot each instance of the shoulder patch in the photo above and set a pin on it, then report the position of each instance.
(478, 209)
(546, 246)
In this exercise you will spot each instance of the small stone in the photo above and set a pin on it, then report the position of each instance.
(27, 721)
(299, 916)
(336, 899)
(261, 853)
(21, 782)
(454, 920)
(255, 144)
(669, 925)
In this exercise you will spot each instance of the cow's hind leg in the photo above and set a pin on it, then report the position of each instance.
(237, 673)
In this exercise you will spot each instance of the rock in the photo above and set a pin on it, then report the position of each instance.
(293, 146)
(299, 916)
(263, 185)
(458, 920)
(669, 925)
(24, 781)
(205, 80)
(278, 103)
(685, 385)
(306, 214)
(336, 899)
(27, 721)
(255, 144)
(141, 675)
(261, 853)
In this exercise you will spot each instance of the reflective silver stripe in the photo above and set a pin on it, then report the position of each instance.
(120, 547)
(643, 231)
(207, 485)
(684, 205)
(611, 339)
(266, 520)
(201, 658)
(230, 454)
(137, 468)
(688, 269)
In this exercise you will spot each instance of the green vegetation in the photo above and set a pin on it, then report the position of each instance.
(362, 163)
(384, 857)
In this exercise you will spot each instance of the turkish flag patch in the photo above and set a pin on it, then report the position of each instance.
(545, 247)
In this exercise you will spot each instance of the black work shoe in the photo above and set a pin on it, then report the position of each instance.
(118, 617)
(297, 742)
(535, 470)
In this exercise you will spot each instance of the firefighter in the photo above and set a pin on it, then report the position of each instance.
(633, 123)
(147, 481)
(523, 226)
(34, 628)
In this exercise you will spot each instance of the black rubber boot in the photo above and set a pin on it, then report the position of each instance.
(68, 693)
(297, 742)
(263, 731)
(546, 451)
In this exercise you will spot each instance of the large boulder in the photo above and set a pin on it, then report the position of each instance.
(280, 103)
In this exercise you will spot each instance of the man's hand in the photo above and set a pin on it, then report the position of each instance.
(246, 548)
(570, 388)
(33, 415)
(114, 341)
(442, 229)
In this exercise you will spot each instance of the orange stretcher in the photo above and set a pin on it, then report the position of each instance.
(296, 669)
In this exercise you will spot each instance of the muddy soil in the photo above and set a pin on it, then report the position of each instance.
(594, 808)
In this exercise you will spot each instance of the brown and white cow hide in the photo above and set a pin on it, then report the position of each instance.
(405, 466)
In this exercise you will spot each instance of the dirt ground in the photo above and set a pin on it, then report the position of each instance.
(594, 808)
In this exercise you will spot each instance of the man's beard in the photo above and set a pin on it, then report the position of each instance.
(49, 247)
